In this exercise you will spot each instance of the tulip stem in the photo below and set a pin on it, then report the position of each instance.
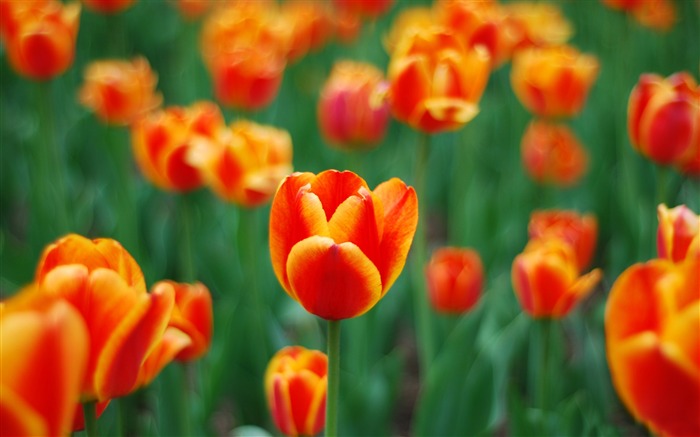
(333, 378)
(90, 415)
(545, 328)
(186, 212)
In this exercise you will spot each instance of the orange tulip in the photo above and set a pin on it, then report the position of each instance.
(435, 82)
(663, 118)
(579, 231)
(551, 154)
(104, 283)
(44, 358)
(655, 14)
(553, 81)
(546, 279)
(40, 36)
(108, 6)
(336, 246)
(245, 163)
(162, 141)
(455, 278)
(193, 315)
(193, 9)
(652, 332)
(295, 385)
(366, 8)
(537, 24)
(678, 234)
(350, 114)
(310, 26)
(346, 26)
(120, 91)
(415, 17)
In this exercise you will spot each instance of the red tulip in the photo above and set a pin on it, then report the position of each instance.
(579, 231)
(455, 278)
(678, 234)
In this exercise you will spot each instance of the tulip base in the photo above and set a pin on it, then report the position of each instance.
(90, 414)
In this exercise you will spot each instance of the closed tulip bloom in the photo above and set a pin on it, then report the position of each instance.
(678, 234)
(579, 231)
(551, 154)
(162, 141)
(336, 246)
(655, 14)
(108, 6)
(44, 358)
(652, 333)
(663, 118)
(435, 81)
(125, 322)
(310, 26)
(455, 278)
(546, 279)
(553, 81)
(351, 114)
(365, 8)
(40, 37)
(193, 315)
(537, 24)
(245, 163)
(406, 19)
(193, 9)
(119, 91)
(295, 385)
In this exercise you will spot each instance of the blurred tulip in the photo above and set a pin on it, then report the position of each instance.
(193, 9)
(346, 26)
(678, 234)
(245, 163)
(295, 385)
(655, 14)
(435, 82)
(350, 112)
(119, 91)
(108, 6)
(579, 231)
(455, 279)
(40, 36)
(310, 26)
(537, 24)
(553, 81)
(193, 314)
(104, 283)
(551, 154)
(407, 19)
(546, 279)
(652, 332)
(43, 360)
(663, 118)
(162, 140)
(366, 8)
(336, 246)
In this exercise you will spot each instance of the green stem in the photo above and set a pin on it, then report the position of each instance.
(188, 373)
(90, 414)
(333, 378)
(186, 210)
(545, 327)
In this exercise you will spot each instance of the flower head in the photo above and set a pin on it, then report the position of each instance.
(455, 279)
(678, 234)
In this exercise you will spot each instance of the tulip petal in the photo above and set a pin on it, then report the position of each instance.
(409, 86)
(281, 406)
(332, 187)
(301, 394)
(359, 220)
(19, 418)
(333, 281)
(172, 343)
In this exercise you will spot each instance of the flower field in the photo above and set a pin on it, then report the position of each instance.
(349, 217)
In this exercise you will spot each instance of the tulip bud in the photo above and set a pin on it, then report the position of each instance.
(678, 234)
(455, 278)
(579, 231)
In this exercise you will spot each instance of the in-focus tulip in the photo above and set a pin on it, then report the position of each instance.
(295, 385)
(162, 140)
(655, 14)
(663, 118)
(678, 234)
(551, 154)
(553, 81)
(652, 333)
(43, 360)
(120, 91)
(336, 246)
(455, 279)
(365, 8)
(125, 322)
(245, 163)
(579, 231)
(546, 279)
(351, 114)
(108, 6)
(310, 26)
(537, 24)
(40, 36)
(435, 82)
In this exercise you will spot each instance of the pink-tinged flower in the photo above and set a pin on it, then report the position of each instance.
(295, 384)
(579, 231)
(678, 234)
(455, 279)
(351, 113)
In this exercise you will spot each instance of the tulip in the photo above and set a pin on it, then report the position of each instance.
(40, 37)
(678, 234)
(366, 8)
(295, 385)
(546, 279)
(655, 14)
(553, 81)
(350, 114)
(336, 246)
(193, 9)
(435, 82)
(346, 26)
(455, 279)
(119, 91)
(663, 118)
(408, 19)
(162, 141)
(245, 163)
(652, 332)
(44, 358)
(108, 6)
(310, 26)
(579, 231)
(193, 315)
(537, 24)
(172, 342)
(551, 154)
(104, 283)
